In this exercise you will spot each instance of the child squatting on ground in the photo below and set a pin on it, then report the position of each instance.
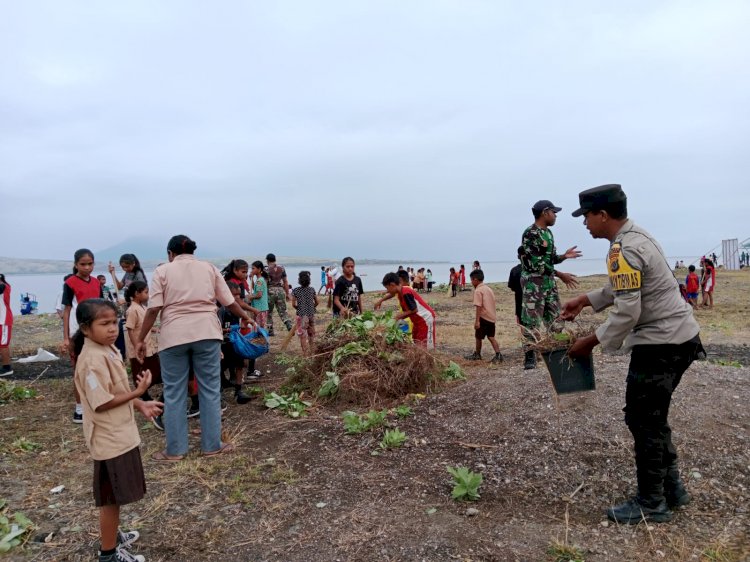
(485, 318)
(414, 308)
(109, 426)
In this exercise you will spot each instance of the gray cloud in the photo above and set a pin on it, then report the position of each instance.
(387, 129)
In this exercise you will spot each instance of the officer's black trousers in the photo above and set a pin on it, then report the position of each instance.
(654, 373)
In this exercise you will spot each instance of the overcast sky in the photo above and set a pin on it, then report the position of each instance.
(422, 129)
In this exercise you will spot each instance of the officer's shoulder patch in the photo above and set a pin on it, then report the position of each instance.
(622, 276)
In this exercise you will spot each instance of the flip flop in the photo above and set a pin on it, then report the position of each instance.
(161, 456)
(225, 448)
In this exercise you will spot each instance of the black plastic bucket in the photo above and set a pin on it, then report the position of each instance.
(569, 374)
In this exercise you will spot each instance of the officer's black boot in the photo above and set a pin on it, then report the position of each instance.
(636, 509)
(674, 488)
(529, 361)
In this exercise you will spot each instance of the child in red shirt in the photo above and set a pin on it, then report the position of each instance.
(415, 309)
(692, 286)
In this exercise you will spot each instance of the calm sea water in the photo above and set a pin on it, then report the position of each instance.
(47, 287)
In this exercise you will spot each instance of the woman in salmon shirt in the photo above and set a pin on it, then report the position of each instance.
(185, 292)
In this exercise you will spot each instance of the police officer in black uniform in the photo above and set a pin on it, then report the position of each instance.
(651, 319)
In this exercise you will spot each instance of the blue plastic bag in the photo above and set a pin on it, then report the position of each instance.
(244, 346)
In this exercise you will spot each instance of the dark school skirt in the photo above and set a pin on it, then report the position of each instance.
(120, 480)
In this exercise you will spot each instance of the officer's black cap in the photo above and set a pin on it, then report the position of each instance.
(597, 198)
(543, 205)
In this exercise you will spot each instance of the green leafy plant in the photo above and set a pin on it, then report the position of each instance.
(292, 405)
(14, 529)
(353, 423)
(351, 348)
(331, 385)
(392, 438)
(726, 363)
(356, 423)
(363, 325)
(453, 372)
(403, 411)
(12, 392)
(559, 552)
(293, 363)
(465, 483)
(373, 418)
(561, 336)
(23, 445)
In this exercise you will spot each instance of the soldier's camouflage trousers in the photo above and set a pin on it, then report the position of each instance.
(277, 300)
(540, 303)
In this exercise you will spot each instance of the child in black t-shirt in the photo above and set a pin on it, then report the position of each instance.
(304, 300)
(230, 360)
(348, 293)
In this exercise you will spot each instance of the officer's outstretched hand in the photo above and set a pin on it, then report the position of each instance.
(573, 307)
(583, 347)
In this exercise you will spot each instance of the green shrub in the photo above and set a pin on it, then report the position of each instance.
(465, 483)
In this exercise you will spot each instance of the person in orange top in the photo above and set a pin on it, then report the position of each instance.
(486, 316)
(185, 292)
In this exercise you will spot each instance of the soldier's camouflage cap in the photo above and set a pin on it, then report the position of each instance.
(597, 198)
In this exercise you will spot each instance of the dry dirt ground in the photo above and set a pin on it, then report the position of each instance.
(305, 490)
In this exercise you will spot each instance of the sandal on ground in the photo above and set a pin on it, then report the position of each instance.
(162, 456)
(225, 448)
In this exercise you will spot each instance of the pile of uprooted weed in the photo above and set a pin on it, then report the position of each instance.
(366, 360)
(560, 335)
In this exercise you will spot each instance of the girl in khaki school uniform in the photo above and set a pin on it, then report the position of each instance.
(109, 426)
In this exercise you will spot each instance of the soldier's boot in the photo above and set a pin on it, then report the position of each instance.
(529, 361)
(288, 324)
(674, 488)
(636, 509)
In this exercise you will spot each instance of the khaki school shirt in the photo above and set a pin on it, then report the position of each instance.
(647, 307)
(484, 298)
(133, 322)
(100, 374)
(187, 290)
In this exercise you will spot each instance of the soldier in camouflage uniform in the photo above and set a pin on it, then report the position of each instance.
(278, 292)
(541, 302)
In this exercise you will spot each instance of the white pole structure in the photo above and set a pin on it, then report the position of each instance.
(730, 254)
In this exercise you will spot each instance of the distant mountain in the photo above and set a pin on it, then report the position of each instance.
(147, 249)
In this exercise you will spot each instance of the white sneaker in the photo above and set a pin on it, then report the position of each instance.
(125, 539)
(123, 555)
